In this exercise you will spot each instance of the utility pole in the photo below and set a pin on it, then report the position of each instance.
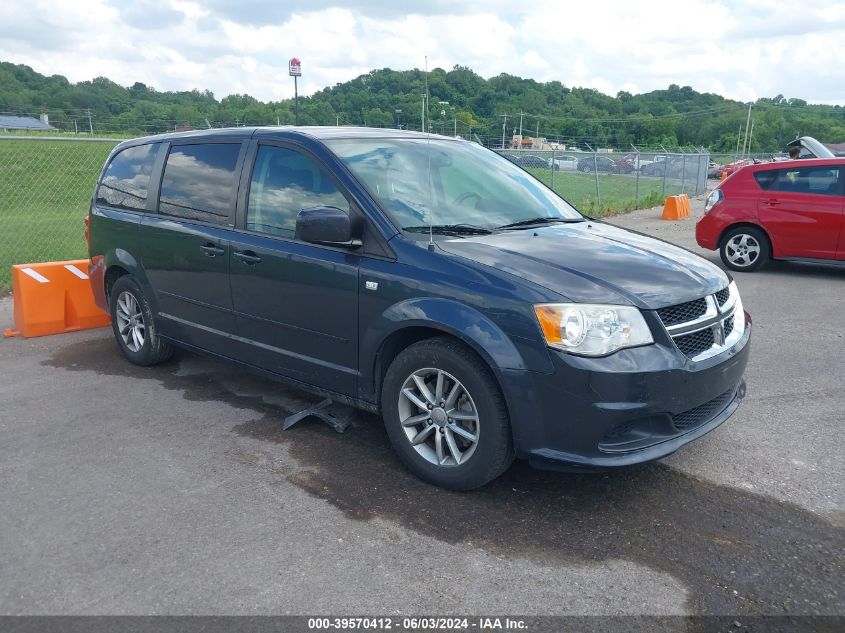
(90, 124)
(738, 137)
(455, 133)
(747, 125)
(504, 124)
(750, 136)
(520, 127)
(337, 120)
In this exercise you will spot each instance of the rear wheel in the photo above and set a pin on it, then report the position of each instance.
(445, 415)
(744, 249)
(133, 324)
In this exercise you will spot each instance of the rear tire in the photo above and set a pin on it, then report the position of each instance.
(446, 416)
(134, 326)
(744, 249)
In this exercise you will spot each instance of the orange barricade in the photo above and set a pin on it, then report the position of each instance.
(687, 210)
(676, 207)
(53, 298)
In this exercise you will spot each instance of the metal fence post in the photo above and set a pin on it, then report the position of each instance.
(637, 168)
(684, 173)
(665, 171)
(553, 169)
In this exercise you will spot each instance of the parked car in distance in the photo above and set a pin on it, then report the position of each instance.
(714, 170)
(736, 165)
(657, 167)
(793, 210)
(564, 162)
(422, 278)
(597, 163)
(532, 161)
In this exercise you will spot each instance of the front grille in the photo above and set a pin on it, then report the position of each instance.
(723, 295)
(729, 326)
(694, 344)
(683, 312)
(703, 413)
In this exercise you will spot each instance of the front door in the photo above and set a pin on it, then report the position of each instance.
(802, 209)
(185, 246)
(296, 304)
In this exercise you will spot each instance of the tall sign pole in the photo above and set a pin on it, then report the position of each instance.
(295, 71)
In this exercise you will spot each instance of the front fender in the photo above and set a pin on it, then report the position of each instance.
(448, 316)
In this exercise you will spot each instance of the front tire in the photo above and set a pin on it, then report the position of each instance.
(744, 249)
(446, 416)
(134, 326)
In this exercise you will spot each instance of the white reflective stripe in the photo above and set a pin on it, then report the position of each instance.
(76, 271)
(35, 275)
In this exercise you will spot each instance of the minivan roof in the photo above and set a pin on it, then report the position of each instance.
(313, 131)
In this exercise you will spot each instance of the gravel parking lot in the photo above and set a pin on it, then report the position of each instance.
(173, 490)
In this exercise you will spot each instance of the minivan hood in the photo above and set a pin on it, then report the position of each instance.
(594, 262)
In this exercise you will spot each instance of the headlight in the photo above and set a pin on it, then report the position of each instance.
(592, 330)
(739, 311)
(715, 197)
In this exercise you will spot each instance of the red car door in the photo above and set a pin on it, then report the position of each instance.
(802, 209)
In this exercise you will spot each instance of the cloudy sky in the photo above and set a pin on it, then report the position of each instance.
(742, 49)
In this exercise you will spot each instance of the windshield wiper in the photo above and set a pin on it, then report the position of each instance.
(449, 229)
(534, 221)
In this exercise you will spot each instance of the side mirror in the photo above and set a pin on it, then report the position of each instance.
(326, 225)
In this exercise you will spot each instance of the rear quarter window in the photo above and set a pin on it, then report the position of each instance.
(126, 180)
(766, 179)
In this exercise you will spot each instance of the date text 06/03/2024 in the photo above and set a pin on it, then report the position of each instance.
(417, 623)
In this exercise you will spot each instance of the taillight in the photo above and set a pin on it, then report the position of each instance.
(88, 230)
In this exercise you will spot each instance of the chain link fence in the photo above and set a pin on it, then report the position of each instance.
(45, 192)
(46, 186)
(602, 183)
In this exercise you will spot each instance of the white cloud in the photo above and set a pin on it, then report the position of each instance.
(740, 48)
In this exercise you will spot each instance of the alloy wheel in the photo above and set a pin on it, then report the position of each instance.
(742, 250)
(439, 417)
(130, 321)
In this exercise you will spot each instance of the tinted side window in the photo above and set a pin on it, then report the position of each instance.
(283, 183)
(199, 182)
(126, 179)
(816, 180)
(766, 179)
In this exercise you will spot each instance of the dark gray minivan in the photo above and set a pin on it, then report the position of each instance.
(423, 278)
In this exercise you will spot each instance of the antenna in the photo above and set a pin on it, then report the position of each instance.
(430, 185)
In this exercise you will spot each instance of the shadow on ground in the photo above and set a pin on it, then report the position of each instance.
(737, 552)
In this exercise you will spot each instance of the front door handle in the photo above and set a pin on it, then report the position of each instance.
(212, 250)
(248, 257)
(772, 202)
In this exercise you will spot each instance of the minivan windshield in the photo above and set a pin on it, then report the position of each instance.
(470, 188)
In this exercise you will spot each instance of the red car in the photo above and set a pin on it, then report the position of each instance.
(730, 168)
(791, 210)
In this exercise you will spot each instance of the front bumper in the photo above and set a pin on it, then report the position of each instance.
(634, 406)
